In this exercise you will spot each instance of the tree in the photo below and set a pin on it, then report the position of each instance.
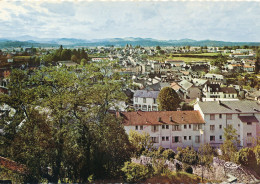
(257, 63)
(74, 58)
(158, 47)
(219, 61)
(229, 147)
(187, 155)
(205, 154)
(168, 99)
(76, 136)
(136, 172)
(65, 54)
(140, 142)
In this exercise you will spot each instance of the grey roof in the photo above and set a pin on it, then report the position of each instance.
(146, 94)
(238, 107)
(158, 86)
(185, 84)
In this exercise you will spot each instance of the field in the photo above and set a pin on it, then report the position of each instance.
(185, 59)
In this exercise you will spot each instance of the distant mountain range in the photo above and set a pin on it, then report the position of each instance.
(28, 41)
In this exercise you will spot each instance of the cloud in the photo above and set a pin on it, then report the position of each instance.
(229, 21)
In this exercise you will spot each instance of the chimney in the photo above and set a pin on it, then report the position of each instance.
(219, 102)
(178, 109)
(159, 119)
(170, 118)
(182, 118)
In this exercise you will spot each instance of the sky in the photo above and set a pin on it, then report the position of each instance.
(165, 20)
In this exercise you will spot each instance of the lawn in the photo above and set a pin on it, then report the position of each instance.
(185, 59)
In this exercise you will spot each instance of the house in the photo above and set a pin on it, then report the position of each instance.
(145, 100)
(215, 78)
(216, 92)
(244, 116)
(169, 129)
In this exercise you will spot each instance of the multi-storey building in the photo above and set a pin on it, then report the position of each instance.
(206, 124)
(244, 116)
(145, 100)
(169, 129)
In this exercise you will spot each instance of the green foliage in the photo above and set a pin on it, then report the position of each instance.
(136, 172)
(59, 120)
(187, 155)
(220, 61)
(168, 154)
(246, 156)
(168, 99)
(74, 58)
(229, 147)
(140, 142)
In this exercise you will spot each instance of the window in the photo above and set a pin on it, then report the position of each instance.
(249, 123)
(220, 137)
(136, 99)
(189, 137)
(220, 126)
(189, 126)
(185, 126)
(155, 128)
(176, 139)
(155, 139)
(176, 128)
(212, 117)
(163, 126)
(141, 127)
(167, 138)
(197, 139)
(229, 116)
(167, 126)
(185, 137)
(212, 138)
(249, 134)
(144, 100)
(163, 138)
(220, 116)
(136, 127)
(212, 127)
(154, 100)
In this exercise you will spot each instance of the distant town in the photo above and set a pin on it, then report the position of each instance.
(188, 108)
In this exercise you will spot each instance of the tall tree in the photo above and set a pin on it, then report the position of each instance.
(168, 99)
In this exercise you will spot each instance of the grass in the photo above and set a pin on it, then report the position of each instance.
(185, 59)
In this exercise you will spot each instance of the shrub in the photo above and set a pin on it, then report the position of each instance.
(136, 172)
(168, 154)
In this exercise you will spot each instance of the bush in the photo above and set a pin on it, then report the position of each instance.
(168, 154)
(136, 172)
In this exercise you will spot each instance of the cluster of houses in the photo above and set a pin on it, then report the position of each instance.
(216, 104)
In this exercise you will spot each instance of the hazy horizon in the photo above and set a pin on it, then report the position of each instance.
(172, 20)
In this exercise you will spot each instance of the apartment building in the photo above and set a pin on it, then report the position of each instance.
(169, 129)
(244, 116)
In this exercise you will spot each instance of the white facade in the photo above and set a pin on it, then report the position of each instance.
(248, 129)
(172, 136)
(145, 104)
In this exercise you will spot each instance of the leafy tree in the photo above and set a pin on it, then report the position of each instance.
(65, 54)
(136, 172)
(76, 136)
(205, 154)
(74, 58)
(83, 61)
(168, 154)
(140, 142)
(168, 99)
(257, 63)
(229, 147)
(219, 61)
(158, 47)
(187, 155)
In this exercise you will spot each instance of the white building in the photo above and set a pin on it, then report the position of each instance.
(243, 115)
(216, 92)
(145, 100)
(169, 129)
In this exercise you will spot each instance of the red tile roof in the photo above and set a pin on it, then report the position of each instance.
(12, 165)
(152, 118)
